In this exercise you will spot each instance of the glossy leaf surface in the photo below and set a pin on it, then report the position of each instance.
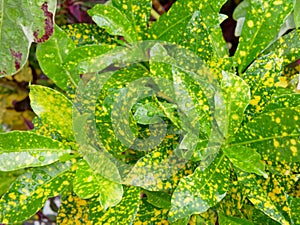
(245, 159)
(268, 196)
(114, 21)
(51, 56)
(22, 23)
(25, 198)
(25, 149)
(277, 139)
(53, 108)
(261, 25)
(236, 95)
(195, 25)
(87, 183)
(137, 12)
(201, 190)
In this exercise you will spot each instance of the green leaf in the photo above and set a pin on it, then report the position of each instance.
(85, 183)
(137, 12)
(297, 13)
(26, 149)
(245, 159)
(286, 47)
(203, 34)
(148, 213)
(29, 192)
(114, 21)
(261, 25)
(295, 209)
(51, 56)
(124, 212)
(88, 183)
(80, 54)
(147, 113)
(283, 101)
(159, 199)
(53, 108)
(22, 22)
(229, 220)
(201, 190)
(7, 178)
(88, 34)
(257, 216)
(99, 162)
(273, 134)
(236, 96)
(266, 195)
(193, 24)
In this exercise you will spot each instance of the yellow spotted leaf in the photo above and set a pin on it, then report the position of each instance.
(201, 190)
(31, 189)
(54, 109)
(26, 149)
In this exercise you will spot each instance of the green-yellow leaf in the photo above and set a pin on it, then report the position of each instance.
(245, 159)
(53, 108)
(51, 56)
(29, 192)
(26, 149)
(113, 20)
(201, 190)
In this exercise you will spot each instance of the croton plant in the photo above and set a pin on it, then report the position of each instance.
(154, 122)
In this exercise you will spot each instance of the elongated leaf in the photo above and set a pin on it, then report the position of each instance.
(257, 216)
(29, 192)
(87, 183)
(53, 108)
(201, 190)
(124, 212)
(273, 134)
(236, 95)
(267, 195)
(51, 56)
(83, 53)
(194, 25)
(159, 199)
(26, 149)
(203, 33)
(262, 23)
(88, 34)
(22, 22)
(73, 210)
(262, 77)
(137, 12)
(229, 220)
(114, 21)
(246, 159)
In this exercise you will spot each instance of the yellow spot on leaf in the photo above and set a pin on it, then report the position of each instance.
(250, 23)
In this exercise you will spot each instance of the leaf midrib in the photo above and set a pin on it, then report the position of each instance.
(263, 139)
(173, 25)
